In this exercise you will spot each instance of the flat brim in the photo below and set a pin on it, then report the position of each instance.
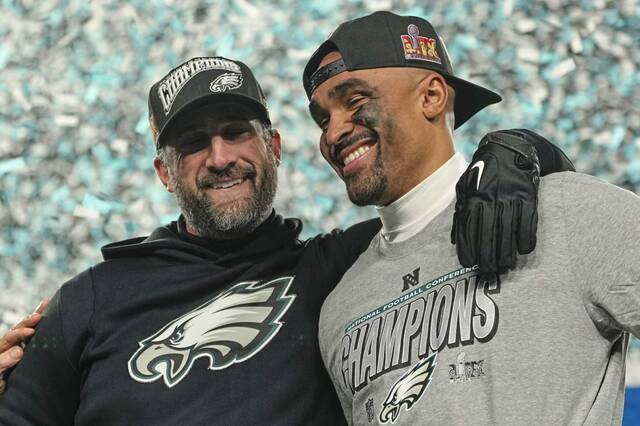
(470, 98)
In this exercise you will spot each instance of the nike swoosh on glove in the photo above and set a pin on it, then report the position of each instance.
(496, 212)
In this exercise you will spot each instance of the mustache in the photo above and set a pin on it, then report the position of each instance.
(231, 172)
(351, 140)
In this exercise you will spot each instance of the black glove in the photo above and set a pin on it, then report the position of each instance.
(496, 210)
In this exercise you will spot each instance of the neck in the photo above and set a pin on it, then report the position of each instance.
(437, 151)
(409, 214)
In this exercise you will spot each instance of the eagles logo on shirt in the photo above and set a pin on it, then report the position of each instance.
(230, 328)
(408, 389)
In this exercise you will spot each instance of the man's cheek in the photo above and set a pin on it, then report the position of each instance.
(324, 150)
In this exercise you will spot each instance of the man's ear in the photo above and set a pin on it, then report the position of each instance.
(434, 96)
(276, 144)
(163, 173)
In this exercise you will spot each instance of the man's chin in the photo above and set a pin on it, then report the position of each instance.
(231, 221)
(363, 198)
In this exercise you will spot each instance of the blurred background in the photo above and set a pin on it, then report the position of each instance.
(76, 155)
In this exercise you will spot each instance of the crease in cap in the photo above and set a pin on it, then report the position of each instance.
(384, 39)
(200, 81)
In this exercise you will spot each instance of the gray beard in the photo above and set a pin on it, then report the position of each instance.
(368, 190)
(233, 220)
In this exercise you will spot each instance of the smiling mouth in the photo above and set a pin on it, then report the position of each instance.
(226, 184)
(354, 150)
(356, 154)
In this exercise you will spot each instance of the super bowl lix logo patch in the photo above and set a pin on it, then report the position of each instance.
(464, 370)
(418, 47)
(228, 329)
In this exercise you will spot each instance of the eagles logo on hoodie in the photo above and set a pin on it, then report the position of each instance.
(230, 328)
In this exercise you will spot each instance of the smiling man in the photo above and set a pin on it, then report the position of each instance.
(408, 336)
(238, 197)
(212, 319)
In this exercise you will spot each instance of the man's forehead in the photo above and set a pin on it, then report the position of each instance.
(341, 83)
(368, 79)
(330, 57)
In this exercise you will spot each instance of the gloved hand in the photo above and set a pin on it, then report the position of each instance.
(496, 212)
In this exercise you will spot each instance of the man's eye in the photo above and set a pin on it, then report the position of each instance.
(354, 101)
(192, 142)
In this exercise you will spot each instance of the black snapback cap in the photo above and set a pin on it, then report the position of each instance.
(201, 81)
(384, 39)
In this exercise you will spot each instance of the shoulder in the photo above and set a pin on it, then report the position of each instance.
(79, 283)
(75, 297)
(585, 192)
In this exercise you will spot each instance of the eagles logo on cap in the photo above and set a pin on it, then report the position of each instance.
(200, 81)
(227, 81)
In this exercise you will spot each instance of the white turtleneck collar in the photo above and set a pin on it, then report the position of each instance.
(410, 213)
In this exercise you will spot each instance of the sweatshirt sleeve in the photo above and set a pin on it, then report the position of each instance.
(340, 249)
(603, 228)
(44, 388)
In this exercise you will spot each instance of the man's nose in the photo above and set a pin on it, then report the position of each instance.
(220, 154)
(339, 126)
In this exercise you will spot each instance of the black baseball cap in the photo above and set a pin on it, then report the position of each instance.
(384, 39)
(200, 81)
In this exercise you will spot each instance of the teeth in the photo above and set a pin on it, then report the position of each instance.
(356, 154)
(224, 185)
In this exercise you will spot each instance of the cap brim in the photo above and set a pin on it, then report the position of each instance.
(470, 99)
(212, 99)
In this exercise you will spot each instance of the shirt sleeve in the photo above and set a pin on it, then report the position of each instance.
(44, 387)
(340, 249)
(603, 229)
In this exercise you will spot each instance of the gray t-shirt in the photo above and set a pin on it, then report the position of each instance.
(410, 337)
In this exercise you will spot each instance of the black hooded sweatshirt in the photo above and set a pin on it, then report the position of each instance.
(178, 330)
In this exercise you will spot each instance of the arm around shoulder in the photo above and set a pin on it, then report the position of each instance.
(343, 248)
